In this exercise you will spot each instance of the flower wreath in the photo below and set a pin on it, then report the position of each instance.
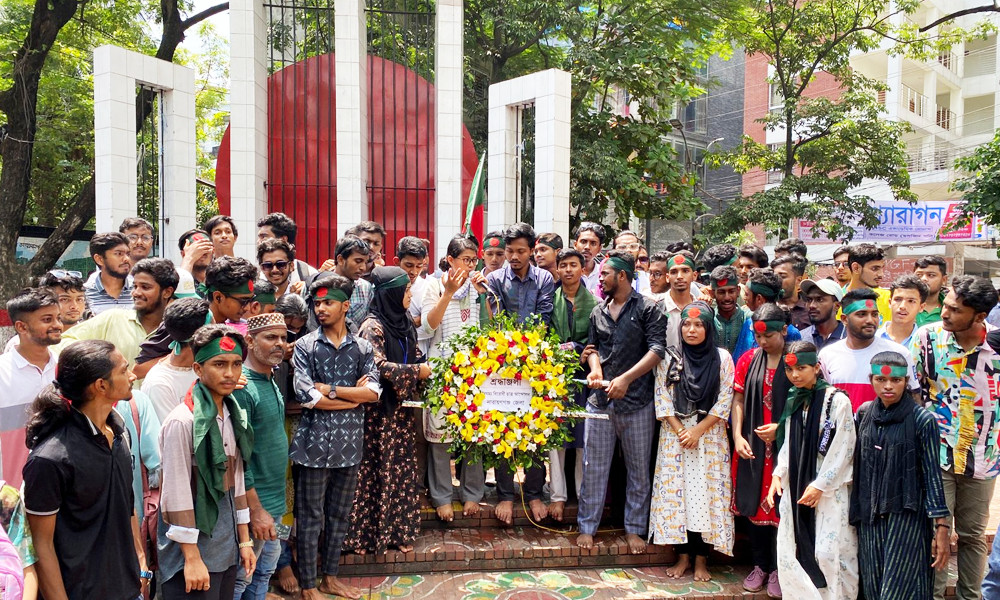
(505, 349)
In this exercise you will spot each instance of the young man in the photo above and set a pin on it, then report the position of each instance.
(748, 258)
(525, 292)
(791, 246)
(959, 376)
(842, 266)
(280, 226)
(791, 268)
(139, 233)
(823, 302)
(411, 256)
(718, 256)
(846, 364)
(933, 271)
(681, 273)
(374, 235)
(265, 471)
(25, 371)
(629, 241)
(110, 286)
(335, 375)
(907, 297)
(155, 282)
(204, 534)
(730, 317)
(494, 252)
(168, 381)
(196, 254)
(571, 319)
(867, 262)
(263, 299)
(547, 247)
(659, 278)
(588, 239)
(223, 233)
(627, 331)
(69, 289)
(276, 259)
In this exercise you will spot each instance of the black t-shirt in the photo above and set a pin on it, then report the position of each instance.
(75, 475)
(155, 346)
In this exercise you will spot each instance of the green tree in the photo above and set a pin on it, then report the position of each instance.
(980, 187)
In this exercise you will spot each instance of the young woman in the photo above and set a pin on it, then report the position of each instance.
(817, 546)
(897, 491)
(691, 484)
(386, 507)
(449, 305)
(760, 391)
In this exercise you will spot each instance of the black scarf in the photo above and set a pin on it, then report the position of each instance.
(887, 473)
(750, 471)
(397, 328)
(803, 450)
(698, 388)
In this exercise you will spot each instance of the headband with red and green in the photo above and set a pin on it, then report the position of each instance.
(679, 260)
(793, 359)
(330, 293)
(220, 345)
(494, 241)
(889, 370)
(860, 305)
(768, 326)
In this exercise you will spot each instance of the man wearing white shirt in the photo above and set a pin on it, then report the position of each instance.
(588, 239)
(25, 371)
(169, 380)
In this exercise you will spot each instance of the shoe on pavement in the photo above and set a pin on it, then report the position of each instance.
(755, 581)
(773, 587)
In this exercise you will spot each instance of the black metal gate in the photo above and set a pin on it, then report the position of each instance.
(148, 159)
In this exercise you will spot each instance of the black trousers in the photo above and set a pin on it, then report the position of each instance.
(695, 546)
(534, 481)
(763, 546)
(221, 586)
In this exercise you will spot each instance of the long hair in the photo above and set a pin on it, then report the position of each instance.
(80, 364)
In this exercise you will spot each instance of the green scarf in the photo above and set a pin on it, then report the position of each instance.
(797, 398)
(582, 307)
(209, 453)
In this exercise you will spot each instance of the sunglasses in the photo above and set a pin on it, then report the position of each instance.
(60, 273)
(281, 265)
(243, 301)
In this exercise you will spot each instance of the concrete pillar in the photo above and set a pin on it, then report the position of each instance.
(248, 120)
(351, 50)
(114, 138)
(448, 82)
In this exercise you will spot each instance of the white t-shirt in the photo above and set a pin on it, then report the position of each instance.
(849, 369)
(166, 386)
(186, 287)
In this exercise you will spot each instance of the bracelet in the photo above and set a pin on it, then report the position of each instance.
(145, 574)
(246, 545)
(939, 525)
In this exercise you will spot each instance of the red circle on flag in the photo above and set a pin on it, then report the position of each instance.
(322, 292)
(870, 304)
(227, 343)
(723, 283)
(791, 360)
(494, 242)
(886, 369)
(250, 285)
(678, 260)
(694, 313)
(760, 326)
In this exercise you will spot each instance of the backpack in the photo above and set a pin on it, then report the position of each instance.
(11, 570)
(150, 500)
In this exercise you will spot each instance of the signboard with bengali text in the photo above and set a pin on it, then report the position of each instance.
(920, 222)
(506, 395)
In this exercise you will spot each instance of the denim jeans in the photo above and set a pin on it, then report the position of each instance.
(267, 552)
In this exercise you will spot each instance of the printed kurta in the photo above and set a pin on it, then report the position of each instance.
(692, 489)
(836, 539)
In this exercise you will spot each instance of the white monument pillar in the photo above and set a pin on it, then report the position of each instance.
(351, 51)
(448, 82)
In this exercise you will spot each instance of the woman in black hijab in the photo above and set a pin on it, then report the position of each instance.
(690, 507)
(386, 506)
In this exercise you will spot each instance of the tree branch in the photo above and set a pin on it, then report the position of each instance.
(80, 212)
(208, 12)
(960, 13)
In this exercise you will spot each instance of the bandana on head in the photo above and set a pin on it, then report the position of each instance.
(265, 321)
(801, 358)
(221, 345)
(888, 370)
(395, 282)
(245, 287)
(265, 298)
(765, 290)
(724, 283)
(550, 244)
(680, 259)
(731, 261)
(494, 242)
(696, 312)
(859, 305)
(178, 345)
(196, 237)
(768, 326)
(619, 264)
(330, 293)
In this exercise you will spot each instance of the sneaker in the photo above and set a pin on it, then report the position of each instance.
(773, 587)
(755, 581)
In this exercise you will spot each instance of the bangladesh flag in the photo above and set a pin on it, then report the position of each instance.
(477, 197)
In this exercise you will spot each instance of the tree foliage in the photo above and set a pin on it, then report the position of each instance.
(980, 187)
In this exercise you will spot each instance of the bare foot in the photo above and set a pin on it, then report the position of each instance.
(406, 548)
(505, 512)
(701, 569)
(471, 509)
(311, 594)
(271, 596)
(556, 510)
(585, 541)
(446, 513)
(287, 580)
(636, 545)
(337, 587)
(538, 510)
(678, 570)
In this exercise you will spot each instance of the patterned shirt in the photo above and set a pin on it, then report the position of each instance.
(99, 300)
(727, 331)
(640, 328)
(15, 523)
(330, 439)
(960, 389)
(523, 297)
(361, 300)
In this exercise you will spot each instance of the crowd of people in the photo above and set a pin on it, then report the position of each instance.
(203, 428)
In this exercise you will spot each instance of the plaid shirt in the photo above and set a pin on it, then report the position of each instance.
(640, 328)
(961, 389)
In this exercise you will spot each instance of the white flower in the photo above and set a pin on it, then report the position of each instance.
(557, 412)
(532, 447)
(468, 414)
(547, 432)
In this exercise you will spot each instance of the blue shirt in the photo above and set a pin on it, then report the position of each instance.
(99, 300)
(330, 439)
(522, 297)
(145, 445)
(809, 334)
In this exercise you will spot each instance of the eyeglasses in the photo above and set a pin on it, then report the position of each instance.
(135, 237)
(281, 265)
(657, 275)
(840, 264)
(467, 260)
(60, 273)
(243, 301)
(643, 259)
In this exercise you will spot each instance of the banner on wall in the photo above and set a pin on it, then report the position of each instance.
(919, 222)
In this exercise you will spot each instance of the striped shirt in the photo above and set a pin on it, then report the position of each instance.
(99, 300)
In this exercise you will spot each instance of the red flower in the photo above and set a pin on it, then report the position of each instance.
(475, 351)
(469, 381)
(227, 344)
(518, 376)
(446, 389)
(501, 359)
(537, 414)
(454, 368)
(511, 344)
(475, 426)
(559, 419)
(542, 377)
(524, 338)
(486, 416)
(462, 418)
